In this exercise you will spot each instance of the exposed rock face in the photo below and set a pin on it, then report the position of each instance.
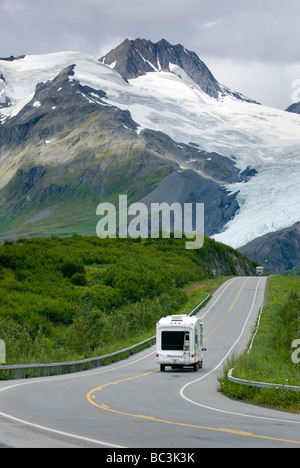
(294, 108)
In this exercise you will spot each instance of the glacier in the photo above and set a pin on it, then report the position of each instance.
(264, 138)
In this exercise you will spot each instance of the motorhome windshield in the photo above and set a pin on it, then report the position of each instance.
(174, 340)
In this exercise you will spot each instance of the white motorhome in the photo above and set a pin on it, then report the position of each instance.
(259, 271)
(179, 342)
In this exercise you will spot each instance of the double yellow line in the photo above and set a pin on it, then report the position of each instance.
(91, 396)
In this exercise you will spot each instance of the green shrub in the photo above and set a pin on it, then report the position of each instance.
(79, 279)
(69, 269)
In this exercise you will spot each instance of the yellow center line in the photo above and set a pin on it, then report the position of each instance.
(227, 312)
(90, 397)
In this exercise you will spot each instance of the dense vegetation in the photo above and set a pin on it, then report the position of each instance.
(270, 358)
(64, 299)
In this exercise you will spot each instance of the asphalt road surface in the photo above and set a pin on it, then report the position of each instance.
(131, 404)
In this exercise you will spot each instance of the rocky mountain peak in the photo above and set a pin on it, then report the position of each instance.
(137, 57)
(134, 58)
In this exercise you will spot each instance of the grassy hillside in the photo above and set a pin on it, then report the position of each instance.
(270, 358)
(70, 298)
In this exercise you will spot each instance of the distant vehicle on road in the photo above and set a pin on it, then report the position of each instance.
(179, 342)
(259, 271)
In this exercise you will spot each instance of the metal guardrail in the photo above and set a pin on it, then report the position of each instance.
(199, 305)
(260, 384)
(21, 371)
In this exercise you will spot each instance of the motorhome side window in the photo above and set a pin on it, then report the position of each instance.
(186, 343)
(173, 340)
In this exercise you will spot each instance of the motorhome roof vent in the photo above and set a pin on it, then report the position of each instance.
(178, 318)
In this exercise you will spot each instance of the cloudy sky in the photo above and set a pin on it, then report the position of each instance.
(252, 46)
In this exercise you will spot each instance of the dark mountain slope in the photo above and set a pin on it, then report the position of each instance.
(277, 251)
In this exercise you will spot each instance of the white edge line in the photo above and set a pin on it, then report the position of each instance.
(61, 433)
(55, 431)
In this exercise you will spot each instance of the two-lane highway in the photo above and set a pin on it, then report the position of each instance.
(133, 404)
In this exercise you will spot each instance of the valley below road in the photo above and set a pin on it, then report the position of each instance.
(131, 404)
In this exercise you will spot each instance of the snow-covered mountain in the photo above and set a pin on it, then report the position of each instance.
(149, 90)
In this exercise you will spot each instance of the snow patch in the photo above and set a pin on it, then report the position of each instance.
(112, 65)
